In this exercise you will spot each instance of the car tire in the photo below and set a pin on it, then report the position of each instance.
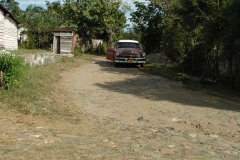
(142, 65)
(116, 64)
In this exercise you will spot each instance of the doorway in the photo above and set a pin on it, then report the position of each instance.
(58, 44)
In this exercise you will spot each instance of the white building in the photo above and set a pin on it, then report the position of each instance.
(8, 30)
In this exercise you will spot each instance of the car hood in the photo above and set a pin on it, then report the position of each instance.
(129, 51)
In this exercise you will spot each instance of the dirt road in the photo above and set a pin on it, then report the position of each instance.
(149, 117)
(108, 113)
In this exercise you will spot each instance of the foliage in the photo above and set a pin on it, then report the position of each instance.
(199, 35)
(78, 51)
(231, 41)
(148, 18)
(34, 94)
(13, 7)
(99, 19)
(101, 49)
(131, 33)
(38, 23)
(11, 68)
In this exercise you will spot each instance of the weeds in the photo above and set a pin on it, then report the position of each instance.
(100, 50)
(30, 51)
(161, 70)
(171, 72)
(35, 94)
(11, 69)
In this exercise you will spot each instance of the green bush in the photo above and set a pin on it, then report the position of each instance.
(11, 68)
(30, 44)
(78, 51)
(101, 50)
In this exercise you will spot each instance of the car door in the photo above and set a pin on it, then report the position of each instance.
(110, 53)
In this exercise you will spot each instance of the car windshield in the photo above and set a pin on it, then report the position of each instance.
(127, 45)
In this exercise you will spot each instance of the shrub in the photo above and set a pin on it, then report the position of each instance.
(30, 44)
(101, 50)
(11, 68)
(78, 51)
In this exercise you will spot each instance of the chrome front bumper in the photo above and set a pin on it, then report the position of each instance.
(130, 60)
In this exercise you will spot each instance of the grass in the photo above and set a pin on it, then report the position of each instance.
(38, 101)
(161, 70)
(30, 51)
(34, 94)
(217, 90)
(170, 72)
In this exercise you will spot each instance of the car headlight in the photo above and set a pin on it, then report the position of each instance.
(117, 53)
(143, 54)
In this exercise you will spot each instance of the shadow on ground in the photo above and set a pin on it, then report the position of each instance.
(108, 66)
(157, 88)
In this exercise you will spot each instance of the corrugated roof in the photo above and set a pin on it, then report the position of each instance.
(63, 28)
(7, 12)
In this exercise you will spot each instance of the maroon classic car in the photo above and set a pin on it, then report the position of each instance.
(126, 51)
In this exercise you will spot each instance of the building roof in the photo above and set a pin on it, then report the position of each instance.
(131, 41)
(7, 12)
(63, 28)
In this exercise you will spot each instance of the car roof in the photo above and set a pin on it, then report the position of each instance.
(127, 40)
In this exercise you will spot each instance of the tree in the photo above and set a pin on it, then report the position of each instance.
(131, 33)
(231, 42)
(39, 23)
(195, 34)
(13, 7)
(96, 18)
(148, 17)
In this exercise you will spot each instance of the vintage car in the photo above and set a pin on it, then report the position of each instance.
(126, 51)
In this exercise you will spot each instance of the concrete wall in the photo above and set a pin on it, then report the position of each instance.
(42, 59)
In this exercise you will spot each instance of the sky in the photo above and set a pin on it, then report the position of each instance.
(24, 3)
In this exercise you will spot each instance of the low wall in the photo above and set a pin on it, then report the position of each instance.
(43, 59)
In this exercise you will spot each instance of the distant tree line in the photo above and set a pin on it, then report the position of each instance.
(200, 36)
(99, 19)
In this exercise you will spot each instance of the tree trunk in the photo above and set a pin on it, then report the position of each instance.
(237, 74)
(230, 70)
